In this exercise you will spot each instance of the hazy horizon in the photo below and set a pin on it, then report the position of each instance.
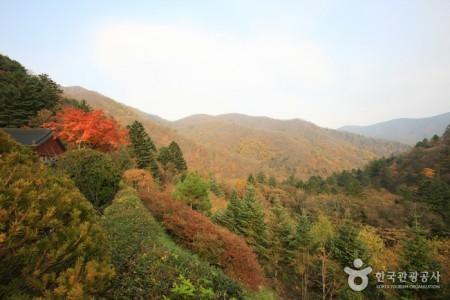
(332, 63)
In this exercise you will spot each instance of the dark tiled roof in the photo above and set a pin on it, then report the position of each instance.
(31, 137)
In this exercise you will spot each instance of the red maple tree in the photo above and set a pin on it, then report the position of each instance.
(88, 129)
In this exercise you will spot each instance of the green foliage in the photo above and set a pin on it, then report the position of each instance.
(83, 105)
(184, 288)
(212, 243)
(122, 159)
(164, 157)
(425, 143)
(23, 95)
(246, 218)
(418, 255)
(143, 148)
(94, 173)
(171, 158)
(347, 246)
(51, 242)
(194, 192)
(351, 185)
(177, 157)
(214, 186)
(281, 230)
(227, 218)
(272, 181)
(150, 265)
(251, 179)
(300, 259)
(261, 177)
(437, 193)
(316, 185)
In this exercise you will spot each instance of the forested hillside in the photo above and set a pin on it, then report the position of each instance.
(285, 147)
(232, 146)
(227, 207)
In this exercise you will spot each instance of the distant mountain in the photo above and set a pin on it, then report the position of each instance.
(284, 146)
(408, 131)
(234, 145)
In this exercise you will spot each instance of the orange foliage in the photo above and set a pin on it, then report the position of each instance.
(92, 129)
(428, 172)
(141, 180)
(211, 242)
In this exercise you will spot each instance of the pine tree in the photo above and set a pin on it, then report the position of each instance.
(83, 105)
(418, 255)
(251, 180)
(214, 186)
(22, 95)
(272, 181)
(301, 250)
(347, 246)
(281, 230)
(143, 147)
(250, 220)
(177, 157)
(228, 217)
(261, 177)
(165, 158)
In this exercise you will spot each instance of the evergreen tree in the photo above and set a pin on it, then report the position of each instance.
(301, 251)
(281, 229)
(177, 157)
(418, 255)
(165, 158)
(83, 105)
(272, 181)
(347, 246)
(351, 185)
(261, 177)
(214, 186)
(251, 180)
(94, 173)
(228, 218)
(250, 220)
(143, 147)
(23, 95)
(290, 180)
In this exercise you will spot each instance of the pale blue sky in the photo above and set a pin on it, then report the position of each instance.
(330, 62)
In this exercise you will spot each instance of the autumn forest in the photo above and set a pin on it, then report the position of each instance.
(225, 207)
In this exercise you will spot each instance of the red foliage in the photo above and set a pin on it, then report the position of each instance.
(92, 129)
(211, 242)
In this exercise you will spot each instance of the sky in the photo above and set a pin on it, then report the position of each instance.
(333, 63)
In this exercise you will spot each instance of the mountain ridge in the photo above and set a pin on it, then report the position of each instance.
(406, 130)
(234, 145)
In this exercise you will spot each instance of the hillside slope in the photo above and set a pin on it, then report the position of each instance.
(199, 157)
(408, 131)
(285, 146)
(233, 145)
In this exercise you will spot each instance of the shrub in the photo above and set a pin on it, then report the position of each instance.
(211, 242)
(148, 263)
(194, 192)
(94, 173)
(51, 242)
